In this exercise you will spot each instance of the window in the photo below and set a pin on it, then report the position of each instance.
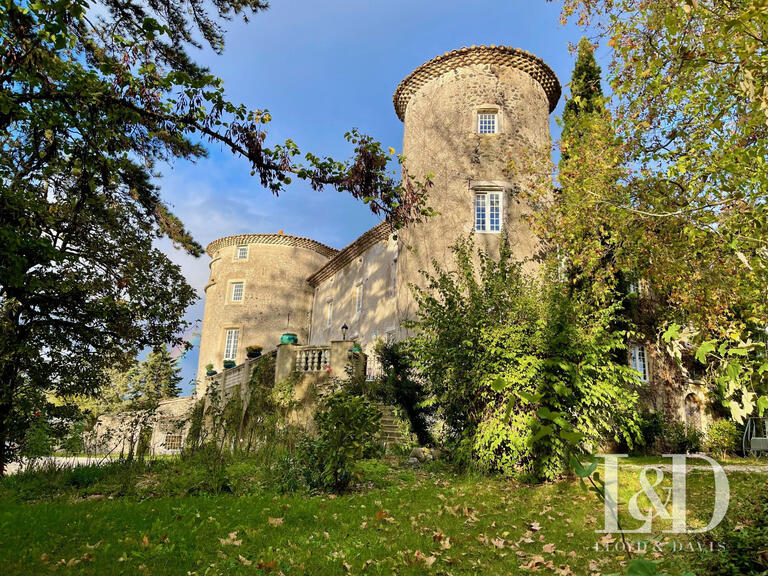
(328, 313)
(237, 292)
(488, 211)
(241, 253)
(635, 287)
(230, 344)
(639, 361)
(358, 298)
(172, 441)
(487, 123)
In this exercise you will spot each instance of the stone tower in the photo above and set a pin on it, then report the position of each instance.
(257, 291)
(467, 115)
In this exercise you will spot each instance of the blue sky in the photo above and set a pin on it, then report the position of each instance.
(322, 68)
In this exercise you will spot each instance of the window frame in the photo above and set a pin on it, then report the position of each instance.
(231, 294)
(359, 298)
(487, 218)
(637, 354)
(484, 114)
(176, 436)
(237, 256)
(236, 343)
(328, 312)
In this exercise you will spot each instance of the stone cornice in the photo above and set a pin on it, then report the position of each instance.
(534, 66)
(376, 234)
(272, 239)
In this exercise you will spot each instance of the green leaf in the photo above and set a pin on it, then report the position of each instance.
(499, 384)
(543, 413)
(642, 567)
(580, 470)
(671, 333)
(530, 398)
(762, 404)
(571, 437)
(540, 433)
(705, 348)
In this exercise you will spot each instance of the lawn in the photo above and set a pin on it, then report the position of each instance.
(399, 519)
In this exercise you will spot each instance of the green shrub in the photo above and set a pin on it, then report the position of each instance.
(347, 426)
(681, 440)
(489, 337)
(723, 437)
(651, 432)
(501, 443)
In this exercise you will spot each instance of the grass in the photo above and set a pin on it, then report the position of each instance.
(399, 519)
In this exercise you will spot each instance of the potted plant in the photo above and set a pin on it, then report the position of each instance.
(253, 351)
(229, 364)
(289, 338)
(209, 371)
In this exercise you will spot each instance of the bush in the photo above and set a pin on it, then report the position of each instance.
(347, 426)
(723, 437)
(489, 337)
(501, 444)
(681, 440)
(651, 432)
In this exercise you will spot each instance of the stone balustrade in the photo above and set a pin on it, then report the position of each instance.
(313, 358)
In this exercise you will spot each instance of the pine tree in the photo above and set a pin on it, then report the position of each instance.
(159, 375)
(586, 97)
(586, 91)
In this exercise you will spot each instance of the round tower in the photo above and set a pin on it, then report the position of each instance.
(257, 291)
(474, 118)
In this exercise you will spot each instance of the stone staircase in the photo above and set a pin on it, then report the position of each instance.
(389, 433)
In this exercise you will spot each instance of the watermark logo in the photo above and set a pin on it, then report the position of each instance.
(670, 505)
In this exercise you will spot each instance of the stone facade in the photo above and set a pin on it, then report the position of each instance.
(275, 298)
(297, 285)
(313, 292)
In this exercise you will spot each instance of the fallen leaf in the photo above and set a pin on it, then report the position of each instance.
(230, 540)
(535, 526)
(607, 539)
(243, 560)
(548, 548)
(275, 521)
(498, 542)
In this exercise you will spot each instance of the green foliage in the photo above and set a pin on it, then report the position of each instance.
(37, 442)
(679, 439)
(159, 375)
(723, 437)
(401, 388)
(670, 184)
(523, 347)
(502, 443)
(652, 428)
(346, 426)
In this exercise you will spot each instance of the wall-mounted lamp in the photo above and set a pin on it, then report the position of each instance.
(344, 329)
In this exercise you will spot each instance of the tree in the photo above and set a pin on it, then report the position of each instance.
(586, 92)
(159, 375)
(677, 186)
(529, 375)
(92, 96)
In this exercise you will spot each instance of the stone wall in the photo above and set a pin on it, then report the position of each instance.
(276, 295)
(440, 137)
(369, 266)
